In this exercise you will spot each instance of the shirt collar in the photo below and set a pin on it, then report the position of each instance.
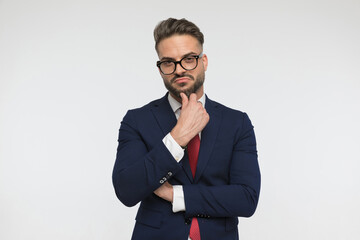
(175, 105)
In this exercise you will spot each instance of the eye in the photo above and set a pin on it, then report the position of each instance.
(189, 59)
(167, 63)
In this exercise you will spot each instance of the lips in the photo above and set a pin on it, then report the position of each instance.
(182, 80)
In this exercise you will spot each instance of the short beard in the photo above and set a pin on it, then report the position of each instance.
(193, 89)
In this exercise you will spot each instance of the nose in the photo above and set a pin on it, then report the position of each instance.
(179, 70)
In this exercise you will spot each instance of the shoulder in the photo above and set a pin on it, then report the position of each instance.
(229, 115)
(147, 107)
(224, 109)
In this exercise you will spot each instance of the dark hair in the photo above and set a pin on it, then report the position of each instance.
(172, 26)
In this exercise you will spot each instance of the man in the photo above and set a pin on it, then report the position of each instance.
(190, 161)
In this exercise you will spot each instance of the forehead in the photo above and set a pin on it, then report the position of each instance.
(177, 46)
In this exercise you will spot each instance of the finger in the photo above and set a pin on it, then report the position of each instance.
(193, 98)
(184, 99)
(205, 120)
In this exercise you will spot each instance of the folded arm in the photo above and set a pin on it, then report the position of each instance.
(240, 196)
(138, 172)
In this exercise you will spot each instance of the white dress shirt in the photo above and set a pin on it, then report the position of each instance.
(178, 153)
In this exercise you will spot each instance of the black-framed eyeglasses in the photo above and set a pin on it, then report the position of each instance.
(188, 63)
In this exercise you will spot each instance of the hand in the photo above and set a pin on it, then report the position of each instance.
(165, 191)
(193, 119)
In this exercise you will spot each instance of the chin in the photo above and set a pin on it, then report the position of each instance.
(182, 85)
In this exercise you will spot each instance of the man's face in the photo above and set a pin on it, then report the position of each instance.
(175, 48)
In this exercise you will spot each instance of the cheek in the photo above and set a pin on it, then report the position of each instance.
(166, 78)
(199, 71)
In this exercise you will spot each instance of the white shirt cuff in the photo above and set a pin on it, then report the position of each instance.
(178, 199)
(174, 148)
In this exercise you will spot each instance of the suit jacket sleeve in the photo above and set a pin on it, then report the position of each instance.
(138, 171)
(240, 196)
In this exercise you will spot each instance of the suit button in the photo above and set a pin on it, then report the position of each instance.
(169, 174)
(187, 221)
(164, 179)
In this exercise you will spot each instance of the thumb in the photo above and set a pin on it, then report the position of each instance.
(184, 99)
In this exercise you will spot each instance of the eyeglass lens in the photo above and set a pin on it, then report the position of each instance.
(187, 63)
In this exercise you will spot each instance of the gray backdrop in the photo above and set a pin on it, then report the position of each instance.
(69, 71)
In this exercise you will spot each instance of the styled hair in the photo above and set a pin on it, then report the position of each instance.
(172, 26)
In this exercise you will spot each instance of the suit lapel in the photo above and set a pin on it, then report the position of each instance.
(186, 166)
(164, 115)
(208, 137)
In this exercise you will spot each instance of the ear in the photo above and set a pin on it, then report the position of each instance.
(205, 61)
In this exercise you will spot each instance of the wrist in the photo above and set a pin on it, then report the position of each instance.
(172, 195)
(181, 140)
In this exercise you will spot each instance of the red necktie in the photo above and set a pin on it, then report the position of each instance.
(193, 152)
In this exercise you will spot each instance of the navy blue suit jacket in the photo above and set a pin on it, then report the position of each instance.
(226, 183)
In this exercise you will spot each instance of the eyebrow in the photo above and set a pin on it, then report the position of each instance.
(173, 59)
